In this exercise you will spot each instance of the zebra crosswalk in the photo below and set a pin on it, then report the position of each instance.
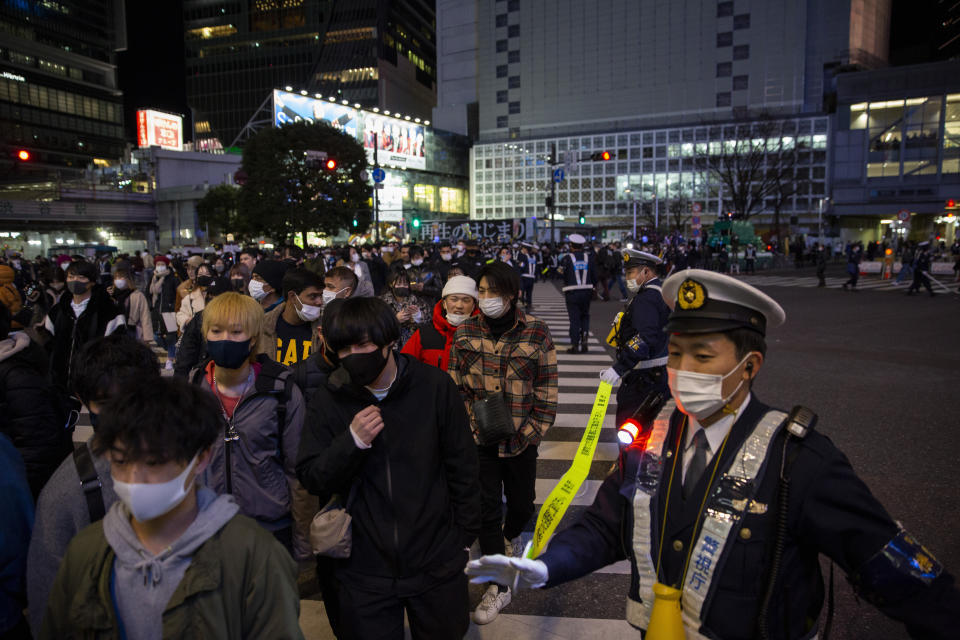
(865, 283)
(593, 606)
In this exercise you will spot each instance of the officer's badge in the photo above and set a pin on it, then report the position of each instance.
(691, 295)
(626, 258)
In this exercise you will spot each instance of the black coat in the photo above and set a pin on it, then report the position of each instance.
(192, 349)
(831, 511)
(417, 503)
(101, 318)
(31, 412)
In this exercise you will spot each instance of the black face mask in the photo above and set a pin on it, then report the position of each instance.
(364, 368)
(228, 354)
(237, 284)
(401, 292)
(77, 288)
(204, 281)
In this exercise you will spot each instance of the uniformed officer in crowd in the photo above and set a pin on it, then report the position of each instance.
(638, 336)
(724, 504)
(578, 271)
(528, 267)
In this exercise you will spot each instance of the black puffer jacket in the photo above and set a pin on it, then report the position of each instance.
(31, 414)
(417, 501)
(100, 318)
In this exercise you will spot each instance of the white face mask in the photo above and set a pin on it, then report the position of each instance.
(354, 257)
(446, 257)
(329, 296)
(161, 269)
(633, 285)
(120, 283)
(416, 262)
(256, 290)
(700, 394)
(308, 312)
(461, 247)
(456, 319)
(493, 307)
(65, 266)
(147, 501)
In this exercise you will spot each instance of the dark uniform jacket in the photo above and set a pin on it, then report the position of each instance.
(641, 335)
(568, 265)
(831, 511)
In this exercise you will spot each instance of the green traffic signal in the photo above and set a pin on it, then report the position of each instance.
(416, 223)
(354, 222)
(583, 220)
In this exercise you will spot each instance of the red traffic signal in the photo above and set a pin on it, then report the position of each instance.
(605, 155)
(23, 155)
(601, 155)
(330, 164)
(951, 203)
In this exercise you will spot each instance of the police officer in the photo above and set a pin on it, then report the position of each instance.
(527, 266)
(639, 337)
(726, 503)
(578, 270)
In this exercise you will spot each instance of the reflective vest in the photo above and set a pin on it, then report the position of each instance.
(579, 277)
(720, 521)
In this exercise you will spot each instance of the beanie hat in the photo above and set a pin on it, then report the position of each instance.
(121, 265)
(6, 274)
(272, 272)
(63, 258)
(161, 260)
(461, 284)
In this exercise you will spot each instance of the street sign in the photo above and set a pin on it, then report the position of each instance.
(695, 233)
(695, 222)
(558, 175)
(378, 185)
(379, 175)
(697, 208)
(903, 215)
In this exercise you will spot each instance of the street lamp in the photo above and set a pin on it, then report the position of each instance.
(630, 191)
(823, 201)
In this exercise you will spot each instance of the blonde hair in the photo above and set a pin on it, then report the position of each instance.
(231, 310)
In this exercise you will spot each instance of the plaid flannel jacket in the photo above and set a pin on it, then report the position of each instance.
(523, 364)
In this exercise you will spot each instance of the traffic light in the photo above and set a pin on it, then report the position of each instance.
(355, 223)
(583, 219)
(331, 164)
(416, 223)
(23, 155)
(951, 203)
(601, 155)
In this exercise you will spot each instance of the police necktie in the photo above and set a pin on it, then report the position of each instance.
(698, 463)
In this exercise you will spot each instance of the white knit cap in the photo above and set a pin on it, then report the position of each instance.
(461, 284)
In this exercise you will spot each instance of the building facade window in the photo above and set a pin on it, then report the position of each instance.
(740, 82)
(502, 122)
(725, 39)
(741, 21)
(502, 71)
(724, 69)
(501, 96)
(723, 99)
(513, 31)
(501, 46)
(513, 82)
(724, 9)
(514, 107)
(513, 56)
(501, 20)
(741, 52)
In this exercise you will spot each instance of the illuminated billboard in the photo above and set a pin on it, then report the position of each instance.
(400, 143)
(158, 129)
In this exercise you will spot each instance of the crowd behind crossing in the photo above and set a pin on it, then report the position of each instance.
(409, 385)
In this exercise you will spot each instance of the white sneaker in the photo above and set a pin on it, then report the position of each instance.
(169, 365)
(490, 605)
(513, 548)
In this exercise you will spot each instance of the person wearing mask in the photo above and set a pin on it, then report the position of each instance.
(351, 258)
(163, 295)
(171, 558)
(442, 261)
(80, 491)
(503, 338)
(262, 418)
(287, 330)
(505, 256)
(339, 283)
(422, 280)
(239, 279)
(187, 284)
(638, 337)
(470, 260)
(136, 308)
(431, 343)
(266, 283)
(249, 258)
(377, 267)
(724, 504)
(414, 482)
(86, 314)
(194, 301)
(191, 348)
(410, 308)
(579, 279)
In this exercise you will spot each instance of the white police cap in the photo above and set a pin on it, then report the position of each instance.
(706, 301)
(635, 258)
(576, 238)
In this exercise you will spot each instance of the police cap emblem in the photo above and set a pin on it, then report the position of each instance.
(691, 295)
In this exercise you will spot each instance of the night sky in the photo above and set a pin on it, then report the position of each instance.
(152, 69)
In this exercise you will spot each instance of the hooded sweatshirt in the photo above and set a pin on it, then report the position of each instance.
(142, 583)
(432, 341)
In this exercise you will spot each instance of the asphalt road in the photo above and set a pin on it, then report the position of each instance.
(881, 370)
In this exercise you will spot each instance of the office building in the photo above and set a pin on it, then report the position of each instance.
(379, 53)
(60, 107)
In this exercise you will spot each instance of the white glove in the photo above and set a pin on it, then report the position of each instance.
(610, 376)
(519, 573)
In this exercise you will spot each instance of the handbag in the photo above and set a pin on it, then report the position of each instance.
(494, 422)
(331, 530)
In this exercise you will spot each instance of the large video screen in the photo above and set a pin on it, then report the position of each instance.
(399, 143)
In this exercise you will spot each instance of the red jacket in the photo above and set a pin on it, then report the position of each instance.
(431, 342)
